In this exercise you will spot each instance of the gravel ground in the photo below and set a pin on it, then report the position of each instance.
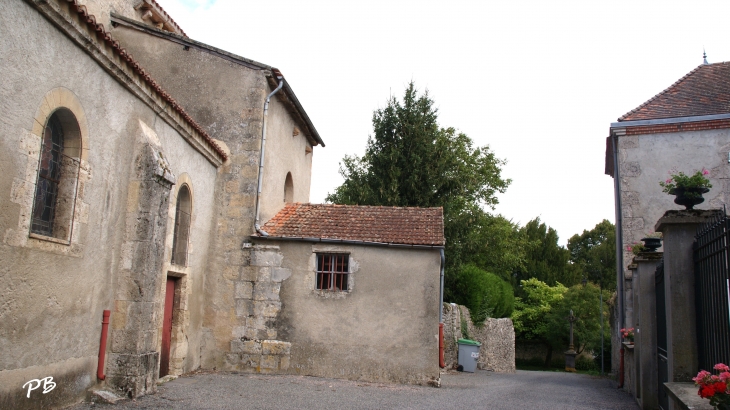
(480, 390)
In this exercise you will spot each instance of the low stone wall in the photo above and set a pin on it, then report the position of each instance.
(497, 337)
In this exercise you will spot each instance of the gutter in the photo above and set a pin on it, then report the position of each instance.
(261, 158)
(348, 242)
(674, 120)
(619, 249)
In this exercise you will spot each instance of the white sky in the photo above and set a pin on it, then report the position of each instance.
(538, 81)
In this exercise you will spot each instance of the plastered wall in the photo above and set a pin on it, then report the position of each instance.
(52, 295)
(384, 329)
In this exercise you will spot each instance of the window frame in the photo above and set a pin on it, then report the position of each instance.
(332, 268)
(59, 168)
(177, 240)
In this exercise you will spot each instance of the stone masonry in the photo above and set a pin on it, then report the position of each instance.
(497, 337)
(254, 346)
(133, 363)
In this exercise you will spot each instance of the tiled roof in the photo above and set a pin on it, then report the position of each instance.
(104, 36)
(703, 91)
(374, 224)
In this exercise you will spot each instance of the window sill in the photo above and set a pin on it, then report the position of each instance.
(49, 239)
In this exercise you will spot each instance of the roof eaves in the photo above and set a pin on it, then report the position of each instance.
(187, 41)
(234, 58)
(346, 241)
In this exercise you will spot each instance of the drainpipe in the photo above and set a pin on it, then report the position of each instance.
(442, 362)
(619, 249)
(102, 346)
(257, 226)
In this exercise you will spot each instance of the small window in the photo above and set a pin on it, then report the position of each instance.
(332, 271)
(58, 171)
(180, 239)
(288, 189)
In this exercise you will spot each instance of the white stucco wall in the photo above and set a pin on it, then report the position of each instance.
(645, 160)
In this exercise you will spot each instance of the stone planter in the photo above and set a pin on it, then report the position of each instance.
(651, 244)
(689, 197)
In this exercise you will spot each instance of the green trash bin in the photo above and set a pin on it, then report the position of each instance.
(468, 354)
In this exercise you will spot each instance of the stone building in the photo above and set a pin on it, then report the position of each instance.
(134, 174)
(684, 128)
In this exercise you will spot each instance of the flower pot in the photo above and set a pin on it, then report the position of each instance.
(689, 197)
(651, 244)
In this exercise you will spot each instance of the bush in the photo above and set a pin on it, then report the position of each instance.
(585, 363)
(485, 294)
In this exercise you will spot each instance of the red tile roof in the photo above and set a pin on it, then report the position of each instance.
(703, 91)
(374, 224)
(104, 36)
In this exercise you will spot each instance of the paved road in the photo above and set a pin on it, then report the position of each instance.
(480, 390)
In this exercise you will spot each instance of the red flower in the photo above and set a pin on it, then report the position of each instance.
(719, 387)
(706, 391)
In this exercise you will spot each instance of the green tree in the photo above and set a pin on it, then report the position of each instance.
(411, 161)
(484, 293)
(531, 316)
(594, 252)
(584, 302)
(545, 259)
(498, 247)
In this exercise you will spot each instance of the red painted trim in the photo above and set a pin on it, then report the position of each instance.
(621, 370)
(442, 363)
(102, 346)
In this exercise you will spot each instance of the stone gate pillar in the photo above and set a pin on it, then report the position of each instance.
(645, 340)
(679, 229)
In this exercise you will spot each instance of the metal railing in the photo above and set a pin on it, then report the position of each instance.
(712, 292)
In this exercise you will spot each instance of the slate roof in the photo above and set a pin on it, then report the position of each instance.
(703, 91)
(371, 224)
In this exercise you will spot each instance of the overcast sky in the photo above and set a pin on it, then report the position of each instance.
(538, 81)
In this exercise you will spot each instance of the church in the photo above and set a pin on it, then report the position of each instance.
(155, 220)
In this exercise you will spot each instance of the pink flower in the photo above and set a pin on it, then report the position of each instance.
(725, 376)
(705, 172)
(669, 181)
(701, 376)
(722, 367)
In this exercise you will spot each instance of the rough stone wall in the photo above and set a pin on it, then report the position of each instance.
(497, 353)
(253, 346)
(497, 336)
(133, 363)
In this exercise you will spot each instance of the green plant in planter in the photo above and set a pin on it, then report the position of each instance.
(691, 185)
(636, 248)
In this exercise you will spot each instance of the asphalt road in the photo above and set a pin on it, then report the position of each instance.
(481, 390)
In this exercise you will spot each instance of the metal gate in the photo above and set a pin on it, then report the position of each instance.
(661, 328)
(712, 298)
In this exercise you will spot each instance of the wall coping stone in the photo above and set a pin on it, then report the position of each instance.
(648, 257)
(686, 216)
(685, 396)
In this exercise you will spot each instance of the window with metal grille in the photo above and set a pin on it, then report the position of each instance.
(332, 271)
(182, 227)
(49, 177)
(58, 175)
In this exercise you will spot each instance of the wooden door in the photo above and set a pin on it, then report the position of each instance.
(167, 327)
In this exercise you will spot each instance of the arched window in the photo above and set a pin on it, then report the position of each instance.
(58, 171)
(288, 189)
(180, 239)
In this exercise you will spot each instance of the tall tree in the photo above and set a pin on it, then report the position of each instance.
(545, 259)
(411, 161)
(594, 252)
